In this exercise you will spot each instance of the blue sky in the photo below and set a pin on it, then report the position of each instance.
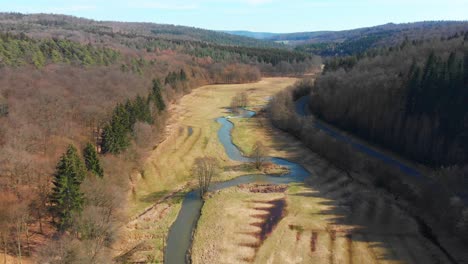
(254, 15)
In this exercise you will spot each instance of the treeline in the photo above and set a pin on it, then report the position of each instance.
(352, 46)
(361, 40)
(120, 112)
(78, 206)
(347, 62)
(116, 106)
(81, 214)
(271, 61)
(20, 50)
(115, 135)
(441, 197)
(411, 99)
(261, 55)
(72, 26)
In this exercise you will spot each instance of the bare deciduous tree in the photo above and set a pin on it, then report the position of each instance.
(258, 154)
(7, 204)
(38, 206)
(205, 168)
(240, 100)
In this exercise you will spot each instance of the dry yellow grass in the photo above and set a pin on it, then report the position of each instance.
(314, 230)
(169, 165)
(321, 210)
(168, 168)
(330, 218)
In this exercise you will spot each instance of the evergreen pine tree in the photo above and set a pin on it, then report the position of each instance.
(157, 96)
(183, 75)
(413, 89)
(123, 117)
(465, 67)
(115, 137)
(142, 110)
(66, 199)
(131, 113)
(92, 161)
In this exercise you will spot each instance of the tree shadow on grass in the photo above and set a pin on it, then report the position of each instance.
(158, 196)
(365, 215)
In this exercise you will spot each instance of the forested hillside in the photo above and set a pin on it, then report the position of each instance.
(21, 50)
(360, 40)
(82, 103)
(357, 41)
(146, 40)
(412, 99)
(81, 28)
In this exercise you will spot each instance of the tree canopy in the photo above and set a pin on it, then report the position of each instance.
(66, 198)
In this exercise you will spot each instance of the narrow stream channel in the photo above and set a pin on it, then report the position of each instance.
(180, 235)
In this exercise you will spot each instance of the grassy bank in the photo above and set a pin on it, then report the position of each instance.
(329, 219)
(191, 133)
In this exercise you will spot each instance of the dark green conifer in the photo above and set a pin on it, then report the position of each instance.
(92, 160)
(66, 199)
(115, 137)
(157, 96)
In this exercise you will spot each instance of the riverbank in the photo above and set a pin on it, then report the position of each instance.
(329, 219)
(193, 133)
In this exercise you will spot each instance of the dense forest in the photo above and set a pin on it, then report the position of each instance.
(411, 99)
(21, 50)
(440, 195)
(361, 40)
(40, 24)
(270, 61)
(52, 34)
(358, 41)
(350, 46)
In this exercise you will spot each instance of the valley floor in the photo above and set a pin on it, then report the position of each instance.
(328, 219)
(192, 132)
(331, 218)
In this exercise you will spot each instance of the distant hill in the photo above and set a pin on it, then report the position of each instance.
(250, 34)
(355, 41)
(340, 36)
(412, 29)
(59, 25)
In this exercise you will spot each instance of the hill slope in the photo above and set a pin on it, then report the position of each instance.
(355, 41)
(250, 34)
(76, 86)
(38, 24)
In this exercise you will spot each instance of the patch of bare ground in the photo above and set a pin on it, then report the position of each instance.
(274, 169)
(264, 188)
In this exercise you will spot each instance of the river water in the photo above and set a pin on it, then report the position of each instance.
(180, 235)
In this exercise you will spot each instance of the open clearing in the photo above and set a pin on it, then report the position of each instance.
(192, 132)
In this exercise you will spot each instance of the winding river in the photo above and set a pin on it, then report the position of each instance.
(180, 235)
